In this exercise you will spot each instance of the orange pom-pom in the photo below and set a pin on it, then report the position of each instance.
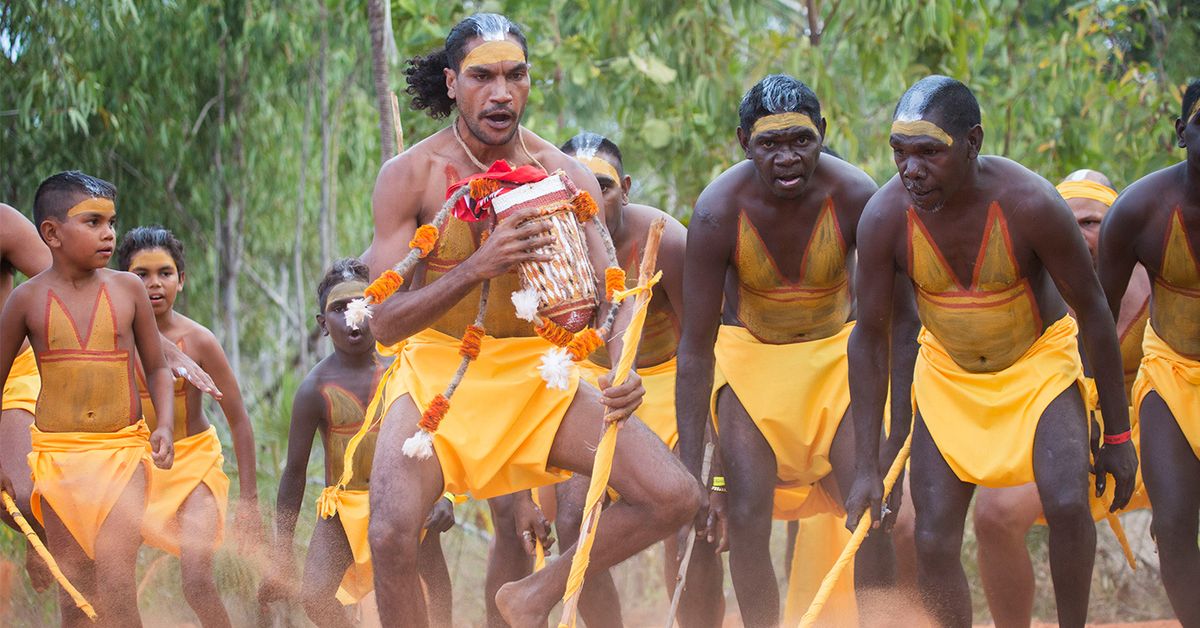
(584, 206)
(434, 413)
(558, 335)
(471, 340)
(584, 343)
(384, 286)
(424, 239)
(614, 280)
(482, 187)
(484, 236)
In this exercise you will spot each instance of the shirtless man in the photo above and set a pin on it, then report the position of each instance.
(773, 238)
(1003, 516)
(985, 243)
(505, 431)
(1156, 223)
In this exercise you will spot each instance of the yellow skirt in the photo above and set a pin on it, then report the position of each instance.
(797, 395)
(354, 511)
(819, 543)
(23, 384)
(83, 474)
(198, 460)
(496, 438)
(658, 406)
(984, 423)
(1176, 379)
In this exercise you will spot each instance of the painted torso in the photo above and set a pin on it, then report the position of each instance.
(91, 388)
(179, 395)
(457, 241)
(987, 325)
(777, 310)
(345, 413)
(660, 335)
(1175, 309)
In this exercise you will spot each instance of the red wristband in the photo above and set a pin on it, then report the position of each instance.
(1117, 439)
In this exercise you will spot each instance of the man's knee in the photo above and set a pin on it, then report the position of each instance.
(677, 498)
(996, 518)
(937, 544)
(1066, 507)
(394, 539)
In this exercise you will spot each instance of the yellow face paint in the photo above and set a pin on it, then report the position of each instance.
(922, 127)
(345, 290)
(92, 205)
(490, 52)
(780, 121)
(1192, 113)
(1087, 189)
(151, 259)
(601, 167)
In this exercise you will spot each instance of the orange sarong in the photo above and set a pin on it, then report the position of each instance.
(81, 475)
(198, 461)
(658, 406)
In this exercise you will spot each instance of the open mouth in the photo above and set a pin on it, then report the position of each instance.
(157, 298)
(499, 120)
(354, 334)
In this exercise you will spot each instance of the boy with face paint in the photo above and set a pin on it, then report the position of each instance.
(506, 431)
(332, 400)
(1156, 223)
(1003, 516)
(985, 243)
(185, 511)
(703, 602)
(91, 449)
(772, 238)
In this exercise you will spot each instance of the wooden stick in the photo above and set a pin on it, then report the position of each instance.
(602, 463)
(856, 539)
(37, 545)
(397, 126)
(691, 543)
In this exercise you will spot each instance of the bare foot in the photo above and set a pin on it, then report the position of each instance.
(519, 607)
(39, 573)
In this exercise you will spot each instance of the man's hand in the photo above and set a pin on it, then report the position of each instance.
(887, 454)
(717, 525)
(1121, 461)
(162, 447)
(531, 524)
(7, 486)
(866, 493)
(183, 366)
(622, 400)
(441, 518)
(248, 522)
(515, 239)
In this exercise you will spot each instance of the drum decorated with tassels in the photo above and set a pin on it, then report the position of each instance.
(566, 284)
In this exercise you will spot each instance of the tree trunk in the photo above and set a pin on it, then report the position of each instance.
(814, 23)
(326, 238)
(301, 321)
(379, 70)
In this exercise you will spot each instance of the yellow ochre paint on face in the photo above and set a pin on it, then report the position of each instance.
(93, 204)
(780, 121)
(152, 259)
(1087, 189)
(914, 128)
(345, 290)
(490, 52)
(600, 167)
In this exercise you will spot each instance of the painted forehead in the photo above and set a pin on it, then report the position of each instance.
(496, 47)
(345, 290)
(152, 258)
(92, 204)
(1195, 109)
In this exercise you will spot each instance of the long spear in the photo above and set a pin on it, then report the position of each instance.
(602, 464)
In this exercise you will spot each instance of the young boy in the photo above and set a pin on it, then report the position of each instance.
(333, 398)
(91, 450)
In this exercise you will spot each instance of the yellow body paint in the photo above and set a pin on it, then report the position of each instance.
(922, 127)
(779, 121)
(490, 52)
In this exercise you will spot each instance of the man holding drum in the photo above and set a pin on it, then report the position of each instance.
(506, 430)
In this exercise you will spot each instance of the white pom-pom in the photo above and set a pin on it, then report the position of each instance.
(419, 445)
(556, 368)
(357, 312)
(526, 301)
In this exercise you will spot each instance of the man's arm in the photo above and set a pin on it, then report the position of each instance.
(1050, 227)
(396, 204)
(707, 255)
(20, 243)
(869, 353)
(13, 329)
(159, 380)
(1117, 257)
(213, 360)
(307, 407)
